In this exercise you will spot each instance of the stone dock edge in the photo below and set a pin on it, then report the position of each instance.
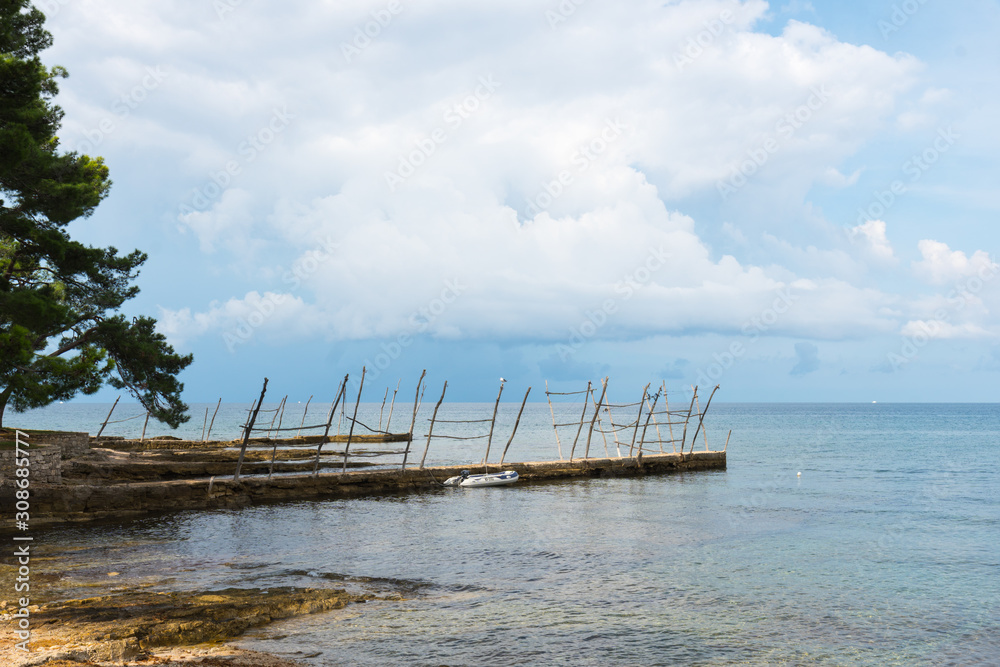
(66, 503)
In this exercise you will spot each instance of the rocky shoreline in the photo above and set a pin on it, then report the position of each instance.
(144, 627)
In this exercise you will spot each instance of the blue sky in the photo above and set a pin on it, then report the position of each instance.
(796, 201)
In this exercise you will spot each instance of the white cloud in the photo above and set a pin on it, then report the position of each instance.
(872, 237)
(940, 330)
(941, 265)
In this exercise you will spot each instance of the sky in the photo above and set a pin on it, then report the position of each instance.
(796, 201)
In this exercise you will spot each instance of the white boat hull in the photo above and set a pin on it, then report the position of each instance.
(490, 479)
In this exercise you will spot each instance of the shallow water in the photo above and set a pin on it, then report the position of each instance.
(883, 551)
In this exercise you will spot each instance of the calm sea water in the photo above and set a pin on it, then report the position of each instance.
(886, 550)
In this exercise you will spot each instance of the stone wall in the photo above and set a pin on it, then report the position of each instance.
(46, 465)
(71, 444)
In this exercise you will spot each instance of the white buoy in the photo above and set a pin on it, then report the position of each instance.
(799, 475)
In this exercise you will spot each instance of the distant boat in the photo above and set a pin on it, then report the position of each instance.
(488, 479)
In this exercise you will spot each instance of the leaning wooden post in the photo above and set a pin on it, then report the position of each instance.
(614, 429)
(413, 421)
(341, 391)
(597, 410)
(142, 437)
(656, 424)
(727, 441)
(391, 404)
(587, 398)
(552, 412)
(518, 421)
(649, 413)
(277, 435)
(381, 411)
(204, 425)
(212, 423)
(688, 418)
(246, 431)
(106, 419)
(670, 419)
(701, 418)
(431, 429)
(354, 419)
(600, 425)
(635, 431)
(280, 409)
(493, 422)
(305, 411)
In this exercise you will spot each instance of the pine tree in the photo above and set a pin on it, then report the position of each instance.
(60, 332)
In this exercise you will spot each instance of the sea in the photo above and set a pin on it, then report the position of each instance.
(838, 534)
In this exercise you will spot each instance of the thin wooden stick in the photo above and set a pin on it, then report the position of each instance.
(382, 409)
(614, 429)
(391, 404)
(341, 391)
(354, 419)
(701, 418)
(554, 428)
(489, 439)
(597, 411)
(649, 413)
(431, 429)
(413, 422)
(635, 431)
(587, 398)
(688, 418)
(727, 441)
(305, 411)
(204, 425)
(600, 426)
(274, 449)
(656, 424)
(518, 421)
(106, 419)
(246, 431)
(212, 423)
(142, 437)
(670, 421)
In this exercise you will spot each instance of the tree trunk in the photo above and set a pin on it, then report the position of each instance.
(4, 397)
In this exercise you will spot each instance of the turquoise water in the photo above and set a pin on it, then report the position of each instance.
(886, 550)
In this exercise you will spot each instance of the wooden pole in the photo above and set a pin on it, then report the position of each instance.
(552, 412)
(493, 422)
(701, 418)
(727, 441)
(212, 423)
(635, 431)
(614, 429)
(106, 419)
(381, 410)
(277, 435)
(413, 421)
(354, 419)
(597, 410)
(246, 431)
(329, 421)
(587, 398)
(204, 425)
(518, 421)
(431, 429)
(656, 424)
(599, 423)
(649, 413)
(305, 411)
(688, 418)
(391, 404)
(142, 437)
(670, 419)
(279, 409)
